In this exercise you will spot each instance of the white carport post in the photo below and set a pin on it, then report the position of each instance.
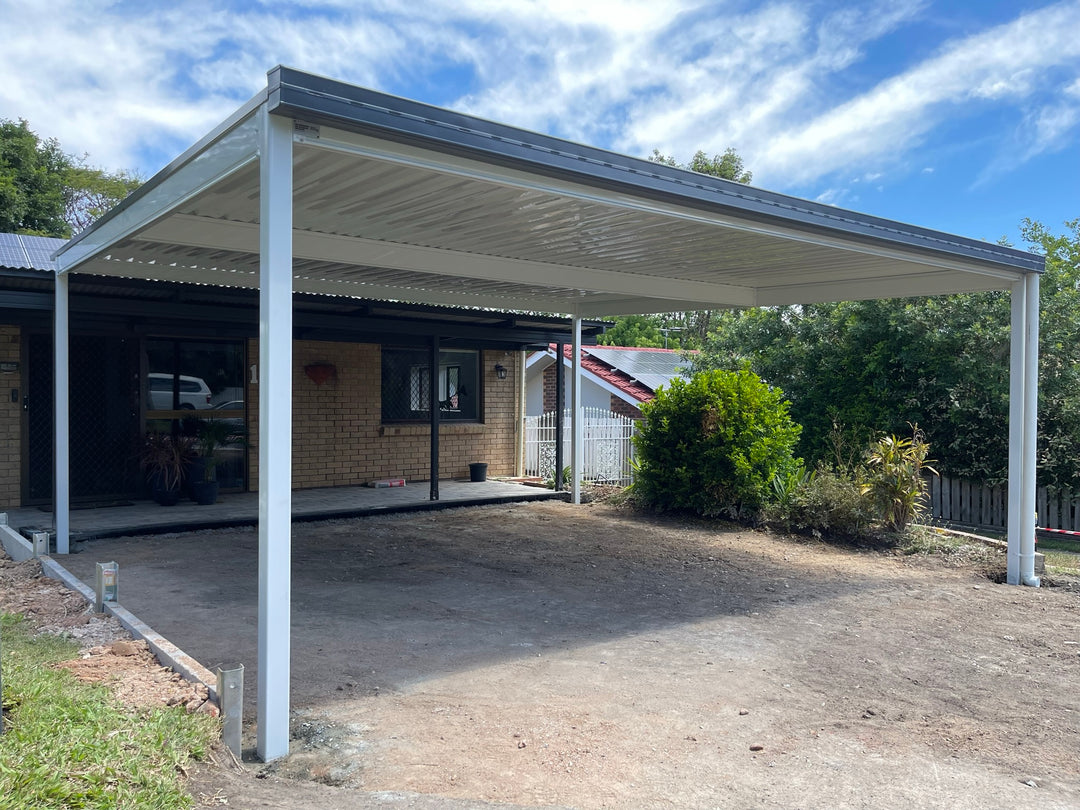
(61, 423)
(578, 441)
(1023, 413)
(275, 432)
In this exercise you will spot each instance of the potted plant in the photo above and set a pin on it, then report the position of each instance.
(163, 458)
(212, 435)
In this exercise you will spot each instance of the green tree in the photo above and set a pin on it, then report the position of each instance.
(31, 182)
(634, 330)
(89, 192)
(874, 367)
(728, 165)
(46, 192)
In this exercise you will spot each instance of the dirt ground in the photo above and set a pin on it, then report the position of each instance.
(588, 657)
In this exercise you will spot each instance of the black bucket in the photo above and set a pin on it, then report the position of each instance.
(478, 471)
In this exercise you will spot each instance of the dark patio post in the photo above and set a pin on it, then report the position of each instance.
(433, 404)
(559, 348)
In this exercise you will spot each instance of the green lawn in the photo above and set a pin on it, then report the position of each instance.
(67, 744)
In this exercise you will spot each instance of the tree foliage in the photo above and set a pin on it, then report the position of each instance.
(46, 192)
(874, 367)
(636, 330)
(728, 165)
(89, 192)
(31, 182)
(714, 444)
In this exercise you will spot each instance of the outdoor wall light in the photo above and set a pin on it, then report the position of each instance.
(500, 371)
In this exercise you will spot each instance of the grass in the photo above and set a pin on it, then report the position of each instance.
(953, 550)
(1062, 556)
(68, 744)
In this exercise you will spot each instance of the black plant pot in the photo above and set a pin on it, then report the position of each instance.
(166, 497)
(194, 472)
(204, 493)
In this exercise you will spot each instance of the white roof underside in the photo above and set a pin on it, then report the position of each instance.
(377, 216)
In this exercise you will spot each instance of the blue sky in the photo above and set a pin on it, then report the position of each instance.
(959, 116)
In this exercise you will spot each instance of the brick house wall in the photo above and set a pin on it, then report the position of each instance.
(339, 438)
(623, 408)
(11, 419)
(549, 389)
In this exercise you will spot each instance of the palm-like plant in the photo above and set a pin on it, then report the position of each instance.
(213, 434)
(163, 458)
(895, 482)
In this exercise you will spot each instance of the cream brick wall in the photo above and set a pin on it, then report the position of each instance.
(339, 438)
(10, 420)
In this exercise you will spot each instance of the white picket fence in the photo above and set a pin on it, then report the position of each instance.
(607, 448)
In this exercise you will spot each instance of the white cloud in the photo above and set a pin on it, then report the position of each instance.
(1003, 63)
(787, 83)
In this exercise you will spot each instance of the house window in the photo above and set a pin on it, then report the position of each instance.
(406, 379)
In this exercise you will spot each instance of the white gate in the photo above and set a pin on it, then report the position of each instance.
(607, 448)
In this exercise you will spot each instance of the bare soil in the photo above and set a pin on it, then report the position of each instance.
(107, 654)
(590, 657)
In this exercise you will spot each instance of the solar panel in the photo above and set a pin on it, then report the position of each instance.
(652, 369)
(28, 252)
(40, 249)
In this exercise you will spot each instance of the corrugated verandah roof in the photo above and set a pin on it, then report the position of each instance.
(401, 200)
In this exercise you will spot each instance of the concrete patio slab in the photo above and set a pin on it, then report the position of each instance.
(242, 508)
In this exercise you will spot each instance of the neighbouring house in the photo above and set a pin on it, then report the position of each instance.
(146, 356)
(613, 378)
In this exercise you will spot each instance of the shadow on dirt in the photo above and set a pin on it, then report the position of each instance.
(379, 603)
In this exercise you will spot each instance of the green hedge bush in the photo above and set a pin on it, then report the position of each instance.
(713, 444)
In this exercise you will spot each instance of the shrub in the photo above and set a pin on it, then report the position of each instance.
(895, 480)
(713, 444)
(826, 502)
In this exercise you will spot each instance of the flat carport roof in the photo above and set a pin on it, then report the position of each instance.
(323, 187)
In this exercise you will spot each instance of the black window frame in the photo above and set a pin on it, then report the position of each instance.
(405, 385)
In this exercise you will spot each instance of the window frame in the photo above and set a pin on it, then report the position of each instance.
(460, 363)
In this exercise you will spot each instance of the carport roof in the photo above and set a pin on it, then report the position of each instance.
(393, 199)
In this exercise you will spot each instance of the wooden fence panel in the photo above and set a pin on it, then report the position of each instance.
(972, 504)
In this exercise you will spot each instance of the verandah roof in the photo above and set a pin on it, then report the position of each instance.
(396, 199)
(322, 187)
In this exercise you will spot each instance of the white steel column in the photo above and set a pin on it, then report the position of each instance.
(61, 423)
(1016, 427)
(1023, 411)
(275, 432)
(577, 445)
(1031, 411)
(519, 463)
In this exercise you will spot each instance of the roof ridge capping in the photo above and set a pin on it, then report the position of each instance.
(296, 93)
